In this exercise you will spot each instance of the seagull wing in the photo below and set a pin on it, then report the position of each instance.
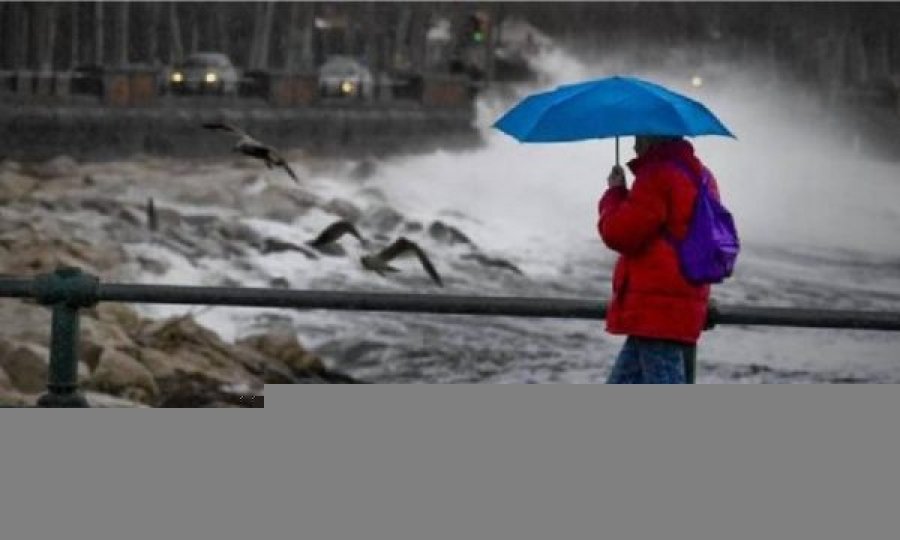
(333, 232)
(402, 246)
(289, 171)
(224, 126)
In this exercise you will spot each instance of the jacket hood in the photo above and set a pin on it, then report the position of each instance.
(682, 151)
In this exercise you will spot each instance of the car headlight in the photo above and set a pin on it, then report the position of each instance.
(211, 77)
(177, 77)
(347, 87)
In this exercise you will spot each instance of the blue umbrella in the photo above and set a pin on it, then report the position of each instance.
(609, 107)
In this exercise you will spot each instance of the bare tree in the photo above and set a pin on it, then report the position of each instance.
(294, 38)
(74, 23)
(255, 43)
(401, 34)
(98, 33)
(262, 33)
(177, 47)
(153, 35)
(309, 20)
(44, 24)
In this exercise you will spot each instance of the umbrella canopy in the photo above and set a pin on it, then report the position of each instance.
(609, 107)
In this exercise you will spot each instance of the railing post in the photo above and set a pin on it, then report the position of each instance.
(67, 290)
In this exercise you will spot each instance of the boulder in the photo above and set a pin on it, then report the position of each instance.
(283, 346)
(193, 348)
(58, 167)
(26, 365)
(6, 384)
(97, 336)
(122, 315)
(121, 375)
(14, 186)
(105, 401)
(383, 219)
(344, 209)
(193, 390)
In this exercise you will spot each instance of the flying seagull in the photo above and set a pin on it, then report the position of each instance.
(334, 231)
(249, 146)
(378, 262)
(325, 242)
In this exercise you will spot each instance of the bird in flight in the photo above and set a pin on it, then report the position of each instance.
(334, 231)
(326, 240)
(249, 146)
(379, 262)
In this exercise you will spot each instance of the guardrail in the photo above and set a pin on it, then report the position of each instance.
(67, 290)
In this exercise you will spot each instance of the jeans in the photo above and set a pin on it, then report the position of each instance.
(653, 361)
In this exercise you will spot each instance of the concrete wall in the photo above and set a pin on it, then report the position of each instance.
(110, 131)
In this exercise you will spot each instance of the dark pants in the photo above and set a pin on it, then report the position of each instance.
(654, 361)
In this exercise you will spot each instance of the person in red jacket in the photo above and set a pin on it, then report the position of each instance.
(652, 303)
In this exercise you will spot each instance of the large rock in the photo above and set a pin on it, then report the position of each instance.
(105, 401)
(344, 209)
(99, 335)
(36, 252)
(121, 375)
(58, 167)
(26, 365)
(6, 384)
(14, 186)
(122, 315)
(278, 203)
(194, 390)
(383, 219)
(195, 347)
(284, 347)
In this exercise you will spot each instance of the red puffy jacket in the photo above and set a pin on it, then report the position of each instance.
(650, 296)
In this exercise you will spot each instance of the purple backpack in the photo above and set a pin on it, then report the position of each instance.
(709, 250)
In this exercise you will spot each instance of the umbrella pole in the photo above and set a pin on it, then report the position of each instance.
(617, 151)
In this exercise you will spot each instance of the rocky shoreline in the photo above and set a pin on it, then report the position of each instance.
(125, 359)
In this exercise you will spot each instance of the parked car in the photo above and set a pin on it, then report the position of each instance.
(204, 73)
(345, 77)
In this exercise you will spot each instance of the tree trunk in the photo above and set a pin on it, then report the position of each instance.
(291, 58)
(98, 33)
(266, 37)
(400, 59)
(308, 58)
(153, 35)
(49, 39)
(74, 22)
(177, 47)
(194, 26)
(418, 29)
(25, 39)
(121, 34)
(373, 30)
(255, 44)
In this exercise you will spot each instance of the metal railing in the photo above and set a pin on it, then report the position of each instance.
(67, 290)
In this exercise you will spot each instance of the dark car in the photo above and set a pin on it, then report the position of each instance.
(204, 73)
(345, 77)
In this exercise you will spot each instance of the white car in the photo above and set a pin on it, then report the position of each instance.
(204, 73)
(345, 77)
